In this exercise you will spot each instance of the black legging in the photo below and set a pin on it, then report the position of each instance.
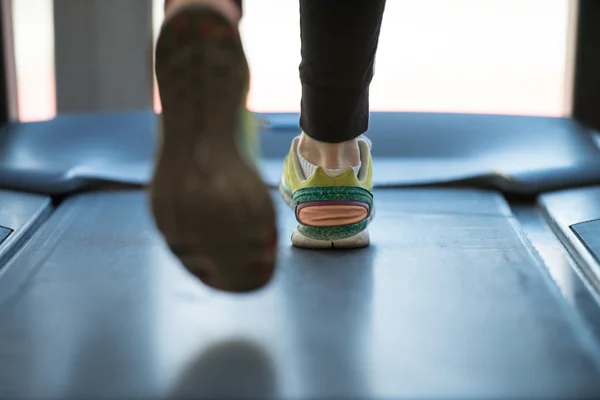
(339, 42)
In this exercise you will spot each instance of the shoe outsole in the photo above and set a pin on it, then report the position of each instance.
(208, 199)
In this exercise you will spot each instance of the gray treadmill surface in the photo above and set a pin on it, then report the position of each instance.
(20, 215)
(449, 302)
(511, 153)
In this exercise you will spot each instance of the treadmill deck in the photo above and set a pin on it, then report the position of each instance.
(451, 300)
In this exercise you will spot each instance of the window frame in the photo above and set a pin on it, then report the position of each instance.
(586, 76)
(9, 110)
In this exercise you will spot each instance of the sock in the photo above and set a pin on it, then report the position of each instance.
(309, 168)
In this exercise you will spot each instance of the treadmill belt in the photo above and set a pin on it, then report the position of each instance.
(448, 302)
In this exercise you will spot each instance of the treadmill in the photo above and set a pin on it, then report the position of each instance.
(482, 280)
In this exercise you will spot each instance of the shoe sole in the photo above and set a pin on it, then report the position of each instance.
(360, 240)
(208, 200)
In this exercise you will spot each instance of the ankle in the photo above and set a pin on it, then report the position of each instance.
(329, 155)
(227, 7)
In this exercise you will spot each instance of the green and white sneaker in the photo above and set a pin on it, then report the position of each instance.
(208, 198)
(332, 211)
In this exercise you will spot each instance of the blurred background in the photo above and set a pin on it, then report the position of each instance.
(492, 56)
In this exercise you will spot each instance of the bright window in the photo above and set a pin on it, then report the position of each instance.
(34, 56)
(479, 56)
(492, 56)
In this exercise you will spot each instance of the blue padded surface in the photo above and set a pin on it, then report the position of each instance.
(515, 154)
(510, 153)
(73, 152)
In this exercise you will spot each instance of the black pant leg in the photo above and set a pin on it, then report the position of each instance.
(339, 42)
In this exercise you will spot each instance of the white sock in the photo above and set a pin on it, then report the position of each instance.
(309, 168)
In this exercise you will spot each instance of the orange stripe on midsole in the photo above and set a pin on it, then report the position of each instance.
(332, 215)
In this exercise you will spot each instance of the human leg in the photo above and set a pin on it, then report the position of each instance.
(339, 43)
(328, 173)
